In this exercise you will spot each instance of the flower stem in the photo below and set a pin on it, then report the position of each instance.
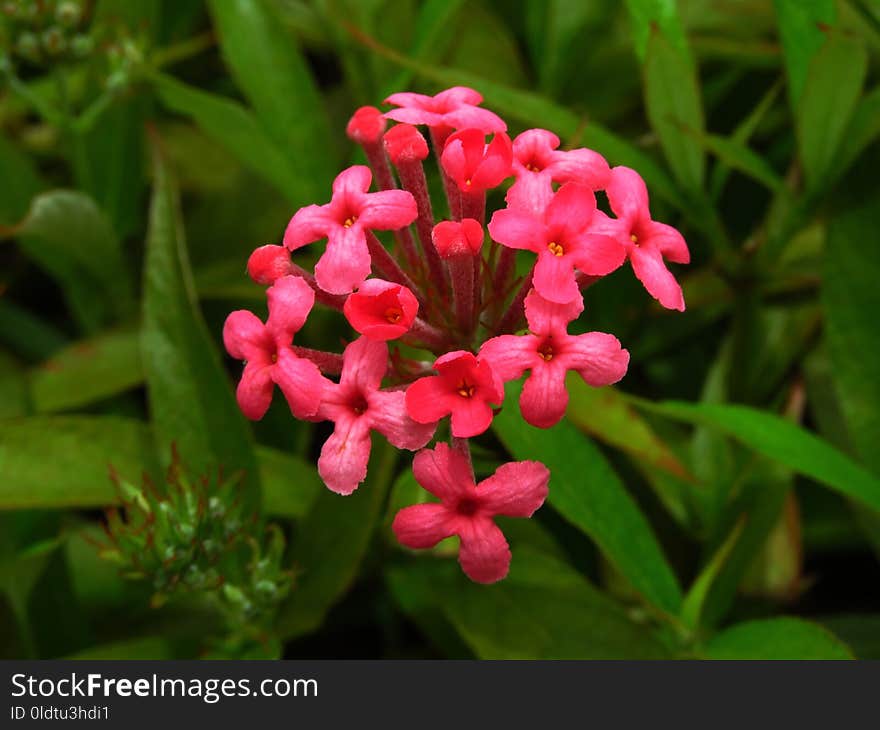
(385, 264)
(515, 313)
(328, 363)
(334, 301)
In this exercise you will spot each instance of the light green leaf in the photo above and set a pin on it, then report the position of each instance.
(649, 15)
(190, 397)
(777, 638)
(66, 234)
(672, 101)
(778, 439)
(542, 610)
(235, 128)
(588, 493)
(270, 70)
(87, 371)
(851, 297)
(800, 29)
(834, 83)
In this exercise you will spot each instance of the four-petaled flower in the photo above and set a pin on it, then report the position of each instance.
(562, 240)
(464, 388)
(344, 222)
(357, 406)
(466, 509)
(647, 242)
(454, 108)
(381, 310)
(270, 361)
(537, 164)
(549, 352)
(474, 165)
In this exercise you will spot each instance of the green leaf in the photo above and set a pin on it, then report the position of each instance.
(70, 237)
(145, 647)
(543, 610)
(270, 70)
(87, 371)
(190, 397)
(65, 461)
(777, 638)
(331, 543)
(834, 83)
(13, 388)
(861, 632)
(672, 101)
(648, 16)
(778, 439)
(862, 130)
(588, 493)
(740, 157)
(800, 29)
(50, 462)
(19, 182)
(851, 296)
(235, 128)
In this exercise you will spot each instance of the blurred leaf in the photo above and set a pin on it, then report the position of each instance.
(69, 236)
(331, 543)
(862, 130)
(87, 371)
(650, 15)
(777, 638)
(606, 415)
(147, 647)
(801, 31)
(273, 75)
(859, 631)
(13, 388)
(834, 83)
(190, 397)
(28, 336)
(64, 461)
(290, 484)
(19, 182)
(236, 129)
(558, 37)
(740, 157)
(672, 101)
(542, 610)
(851, 296)
(588, 493)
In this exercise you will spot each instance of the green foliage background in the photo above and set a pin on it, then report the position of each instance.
(723, 502)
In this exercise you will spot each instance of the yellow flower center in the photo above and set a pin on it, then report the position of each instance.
(634, 238)
(349, 222)
(555, 248)
(546, 352)
(465, 390)
(393, 315)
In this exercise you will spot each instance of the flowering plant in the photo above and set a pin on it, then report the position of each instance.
(444, 318)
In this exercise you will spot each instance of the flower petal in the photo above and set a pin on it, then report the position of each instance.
(290, 301)
(649, 269)
(471, 417)
(518, 229)
(532, 192)
(443, 472)
(598, 255)
(510, 355)
(308, 224)
(343, 460)
(364, 363)
(668, 241)
(627, 193)
(388, 210)
(245, 336)
(484, 554)
(346, 261)
(381, 310)
(422, 526)
(414, 115)
(581, 165)
(354, 180)
(551, 318)
(429, 399)
(516, 489)
(388, 416)
(544, 398)
(598, 357)
(300, 381)
(535, 147)
(475, 117)
(496, 165)
(455, 96)
(554, 278)
(571, 209)
(254, 391)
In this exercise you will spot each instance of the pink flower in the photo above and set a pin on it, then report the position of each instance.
(474, 165)
(562, 241)
(647, 242)
(537, 164)
(269, 263)
(357, 406)
(463, 389)
(267, 354)
(454, 239)
(381, 310)
(549, 352)
(455, 107)
(343, 222)
(404, 143)
(366, 125)
(516, 489)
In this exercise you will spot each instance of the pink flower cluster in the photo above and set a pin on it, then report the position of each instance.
(438, 289)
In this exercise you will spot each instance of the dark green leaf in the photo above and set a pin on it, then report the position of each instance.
(588, 493)
(777, 638)
(191, 399)
(648, 16)
(800, 28)
(18, 184)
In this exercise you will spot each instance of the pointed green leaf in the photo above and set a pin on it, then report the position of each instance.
(777, 638)
(800, 29)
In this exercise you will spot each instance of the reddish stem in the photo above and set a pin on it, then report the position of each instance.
(385, 264)
(334, 301)
(515, 313)
(329, 363)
